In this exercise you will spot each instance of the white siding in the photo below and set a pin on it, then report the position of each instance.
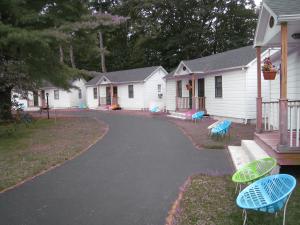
(171, 95)
(135, 103)
(251, 90)
(74, 94)
(21, 100)
(293, 78)
(62, 102)
(232, 104)
(91, 102)
(151, 90)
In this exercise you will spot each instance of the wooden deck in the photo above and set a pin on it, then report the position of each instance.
(269, 141)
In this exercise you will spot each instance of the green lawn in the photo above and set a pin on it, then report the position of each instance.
(211, 200)
(44, 143)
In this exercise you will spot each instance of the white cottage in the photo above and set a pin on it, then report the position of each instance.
(59, 98)
(223, 85)
(134, 89)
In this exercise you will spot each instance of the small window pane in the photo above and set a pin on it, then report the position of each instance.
(130, 91)
(79, 94)
(218, 87)
(159, 88)
(179, 88)
(56, 94)
(95, 93)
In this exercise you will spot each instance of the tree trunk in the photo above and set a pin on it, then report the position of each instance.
(5, 104)
(72, 57)
(61, 54)
(102, 52)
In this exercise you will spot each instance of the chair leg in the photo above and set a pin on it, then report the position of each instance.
(236, 187)
(284, 212)
(245, 216)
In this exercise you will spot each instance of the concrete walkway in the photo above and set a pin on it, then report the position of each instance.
(130, 177)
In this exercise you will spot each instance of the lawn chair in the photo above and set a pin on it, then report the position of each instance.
(253, 171)
(269, 194)
(155, 109)
(213, 125)
(221, 129)
(197, 116)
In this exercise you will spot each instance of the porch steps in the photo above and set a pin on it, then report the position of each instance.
(177, 115)
(101, 108)
(246, 153)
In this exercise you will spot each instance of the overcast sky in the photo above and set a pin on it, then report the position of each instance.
(257, 2)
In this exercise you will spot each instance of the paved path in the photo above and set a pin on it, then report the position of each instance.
(130, 177)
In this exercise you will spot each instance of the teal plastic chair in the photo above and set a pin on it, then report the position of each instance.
(154, 109)
(269, 194)
(221, 129)
(197, 116)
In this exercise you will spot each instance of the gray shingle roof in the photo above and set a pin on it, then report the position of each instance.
(47, 84)
(170, 74)
(284, 7)
(232, 58)
(133, 75)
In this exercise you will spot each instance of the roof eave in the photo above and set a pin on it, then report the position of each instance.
(288, 18)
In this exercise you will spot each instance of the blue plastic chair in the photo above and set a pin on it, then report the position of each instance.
(197, 116)
(222, 128)
(269, 194)
(154, 109)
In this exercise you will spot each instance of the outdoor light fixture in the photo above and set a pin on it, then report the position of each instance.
(296, 35)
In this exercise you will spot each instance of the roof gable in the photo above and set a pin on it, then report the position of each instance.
(182, 69)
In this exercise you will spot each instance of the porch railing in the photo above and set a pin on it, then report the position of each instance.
(270, 115)
(107, 101)
(271, 119)
(183, 102)
(200, 103)
(294, 122)
(102, 100)
(187, 103)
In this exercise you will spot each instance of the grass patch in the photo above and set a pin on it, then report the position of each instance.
(199, 133)
(30, 149)
(211, 200)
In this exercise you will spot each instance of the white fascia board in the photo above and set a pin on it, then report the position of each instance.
(226, 69)
(257, 27)
(158, 68)
(288, 18)
(181, 63)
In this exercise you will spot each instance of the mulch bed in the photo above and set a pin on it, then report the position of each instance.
(198, 133)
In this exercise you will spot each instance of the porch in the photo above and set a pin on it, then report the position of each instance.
(190, 93)
(278, 122)
(107, 95)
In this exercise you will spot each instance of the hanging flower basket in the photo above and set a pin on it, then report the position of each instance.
(188, 87)
(269, 75)
(269, 70)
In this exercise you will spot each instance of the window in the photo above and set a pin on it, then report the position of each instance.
(95, 93)
(56, 94)
(130, 91)
(79, 94)
(218, 87)
(159, 88)
(179, 88)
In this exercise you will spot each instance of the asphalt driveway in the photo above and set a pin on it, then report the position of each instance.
(130, 177)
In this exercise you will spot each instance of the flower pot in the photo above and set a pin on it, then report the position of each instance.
(188, 87)
(269, 75)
